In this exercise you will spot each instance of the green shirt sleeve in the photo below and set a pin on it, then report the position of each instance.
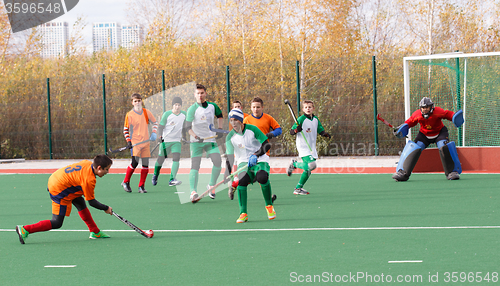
(320, 127)
(300, 120)
(191, 111)
(218, 112)
(229, 144)
(165, 116)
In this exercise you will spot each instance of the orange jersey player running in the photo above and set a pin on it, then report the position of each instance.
(135, 131)
(67, 186)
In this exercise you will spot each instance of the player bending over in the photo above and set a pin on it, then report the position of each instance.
(171, 135)
(248, 146)
(432, 130)
(310, 125)
(66, 187)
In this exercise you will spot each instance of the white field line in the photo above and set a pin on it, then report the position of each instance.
(406, 261)
(292, 229)
(59, 266)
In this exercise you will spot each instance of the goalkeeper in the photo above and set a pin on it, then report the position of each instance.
(432, 130)
(248, 146)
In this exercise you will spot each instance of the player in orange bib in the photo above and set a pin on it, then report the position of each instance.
(135, 131)
(67, 186)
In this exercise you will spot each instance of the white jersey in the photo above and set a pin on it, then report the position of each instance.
(201, 118)
(245, 145)
(310, 128)
(172, 132)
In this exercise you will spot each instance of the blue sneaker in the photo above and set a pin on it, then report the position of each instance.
(154, 180)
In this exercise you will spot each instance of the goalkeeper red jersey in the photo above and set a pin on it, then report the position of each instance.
(431, 126)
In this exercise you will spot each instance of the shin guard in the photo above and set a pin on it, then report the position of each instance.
(407, 161)
(451, 163)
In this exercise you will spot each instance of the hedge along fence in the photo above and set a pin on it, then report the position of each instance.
(87, 111)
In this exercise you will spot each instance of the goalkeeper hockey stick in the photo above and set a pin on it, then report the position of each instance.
(213, 129)
(287, 102)
(384, 121)
(394, 129)
(126, 147)
(148, 233)
(219, 183)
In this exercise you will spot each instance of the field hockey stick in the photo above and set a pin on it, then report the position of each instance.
(384, 121)
(394, 129)
(126, 147)
(161, 141)
(218, 184)
(216, 130)
(148, 233)
(287, 102)
(157, 144)
(184, 141)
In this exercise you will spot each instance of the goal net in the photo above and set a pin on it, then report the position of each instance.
(454, 81)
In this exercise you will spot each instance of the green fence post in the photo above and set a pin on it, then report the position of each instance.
(228, 92)
(459, 102)
(375, 123)
(48, 117)
(297, 70)
(163, 88)
(104, 114)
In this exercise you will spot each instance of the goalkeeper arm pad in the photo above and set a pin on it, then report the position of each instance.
(402, 130)
(458, 118)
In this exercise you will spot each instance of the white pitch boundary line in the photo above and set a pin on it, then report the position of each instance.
(59, 266)
(406, 261)
(295, 229)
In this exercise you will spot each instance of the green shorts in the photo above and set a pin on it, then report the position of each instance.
(252, 171)
(169, 148)
(198, 148)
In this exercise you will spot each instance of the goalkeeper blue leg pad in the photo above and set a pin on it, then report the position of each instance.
(407, 162)
(451, 163)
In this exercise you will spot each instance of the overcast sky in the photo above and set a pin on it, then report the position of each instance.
(96, 11)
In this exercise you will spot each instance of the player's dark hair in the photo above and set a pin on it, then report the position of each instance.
(102, 160)
(200, 86)
(237, 101)
(136, 96)
(258, 99)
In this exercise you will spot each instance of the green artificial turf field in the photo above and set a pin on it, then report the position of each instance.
(360, 229)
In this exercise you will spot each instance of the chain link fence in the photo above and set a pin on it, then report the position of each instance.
(68, 120)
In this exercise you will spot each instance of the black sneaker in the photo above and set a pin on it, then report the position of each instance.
(126, 187)
(142, 190)
(453, 176)
(400, 176)
(154, 180)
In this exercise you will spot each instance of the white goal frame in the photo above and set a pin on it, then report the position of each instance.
(454, 55)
